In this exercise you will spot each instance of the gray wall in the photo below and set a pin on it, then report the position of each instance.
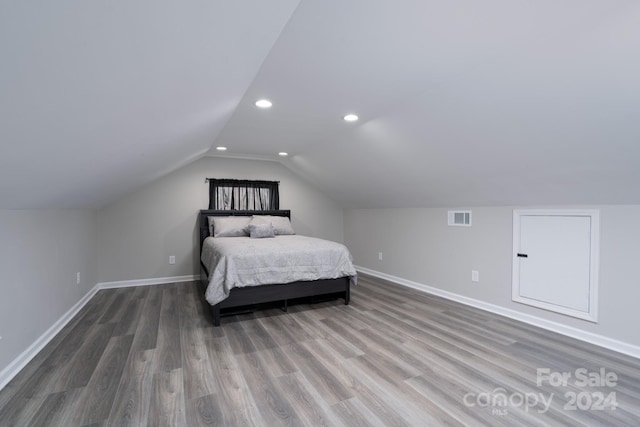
(139, 232)
(40, 254)
(418, 245)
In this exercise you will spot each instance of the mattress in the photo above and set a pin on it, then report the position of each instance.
(233, 262)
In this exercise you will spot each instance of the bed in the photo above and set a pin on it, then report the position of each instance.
(228, 291)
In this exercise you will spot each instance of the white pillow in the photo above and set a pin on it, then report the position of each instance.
(230, 226)
(281, 224)
(259, 231)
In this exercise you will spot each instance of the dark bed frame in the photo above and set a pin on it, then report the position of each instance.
(251, 295)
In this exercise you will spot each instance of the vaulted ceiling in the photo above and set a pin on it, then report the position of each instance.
(99, 97)
(460, 103)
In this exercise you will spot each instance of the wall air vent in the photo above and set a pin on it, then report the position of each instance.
(461, 218)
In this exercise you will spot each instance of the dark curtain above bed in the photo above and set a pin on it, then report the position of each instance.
(240, 194)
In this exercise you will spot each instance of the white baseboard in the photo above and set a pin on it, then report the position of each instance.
(599, 340)
(147, 282)
(21, 361)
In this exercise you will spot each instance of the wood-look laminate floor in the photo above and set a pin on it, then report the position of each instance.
(394, 357)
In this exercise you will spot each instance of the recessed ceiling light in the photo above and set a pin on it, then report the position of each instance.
(350, 118)
(221, 148)
(283, 154)
(263, 103)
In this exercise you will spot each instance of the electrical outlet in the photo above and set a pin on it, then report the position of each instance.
(475, 276)
(379, 256)
(78, 278)
(172, 259)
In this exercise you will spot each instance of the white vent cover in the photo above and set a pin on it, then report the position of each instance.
(462, 218)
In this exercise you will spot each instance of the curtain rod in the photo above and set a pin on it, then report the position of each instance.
(206, 180)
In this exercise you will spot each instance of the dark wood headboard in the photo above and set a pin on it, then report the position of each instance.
(203, 218)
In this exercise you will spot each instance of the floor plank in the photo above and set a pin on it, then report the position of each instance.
(167, 400)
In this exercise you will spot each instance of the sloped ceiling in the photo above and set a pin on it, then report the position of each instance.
(490, 102)
(461, 102)
(98, 97)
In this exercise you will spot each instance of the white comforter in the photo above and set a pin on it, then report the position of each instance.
(242, 261)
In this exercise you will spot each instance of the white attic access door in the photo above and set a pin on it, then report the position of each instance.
(555, 261)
